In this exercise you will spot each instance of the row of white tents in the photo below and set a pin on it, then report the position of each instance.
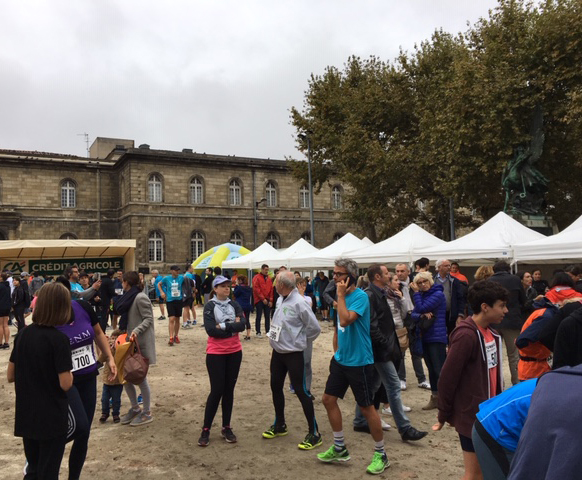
(501, 237)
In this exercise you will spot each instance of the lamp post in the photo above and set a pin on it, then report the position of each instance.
(305, 137)
(256, 219)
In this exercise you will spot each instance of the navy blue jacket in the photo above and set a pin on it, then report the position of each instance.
(550, 442)
(458, 298)
(432, 301)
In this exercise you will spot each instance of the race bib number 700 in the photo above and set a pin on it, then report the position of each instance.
(82, 357)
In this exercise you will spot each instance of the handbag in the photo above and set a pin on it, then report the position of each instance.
(426, 323)
(136, 365)
(403, 339)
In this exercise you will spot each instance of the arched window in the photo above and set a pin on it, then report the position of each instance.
(196, 191)
(156, 247)
(68, 236)
(306, 236)
(236, 238)
(271, 194)
(196, 245)
(304, 197)
(336, 198)
(155, 188)
(234, 193)
(68, 194)
(337, 236)
(273, 240)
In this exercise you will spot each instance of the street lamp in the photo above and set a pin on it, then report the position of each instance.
(305, 137)
(255, 219)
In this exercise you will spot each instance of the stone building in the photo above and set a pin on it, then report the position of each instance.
(175, 204)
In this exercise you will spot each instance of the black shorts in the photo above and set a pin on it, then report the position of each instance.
(359, 379)
(161, 301)
(5, 313)
(466, 444)
(174, 308)
(188, 302)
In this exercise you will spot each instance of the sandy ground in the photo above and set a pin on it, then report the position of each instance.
(167, 448)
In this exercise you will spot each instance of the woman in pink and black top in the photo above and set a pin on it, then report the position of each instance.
(222, 320)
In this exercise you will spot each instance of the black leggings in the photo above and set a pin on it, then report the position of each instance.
(223, 373)
(19, 316)
(247, 314)
(82, 400)
(292, 363)
(44, 458)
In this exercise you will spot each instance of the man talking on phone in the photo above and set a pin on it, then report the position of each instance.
(352, 366)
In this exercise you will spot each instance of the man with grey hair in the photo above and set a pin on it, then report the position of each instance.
(403, 274)
(454, 293)
(352, 366)
(293, 328)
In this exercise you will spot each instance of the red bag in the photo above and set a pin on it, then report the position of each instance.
(136, 365)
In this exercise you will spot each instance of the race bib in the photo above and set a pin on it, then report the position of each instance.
(119, 291)
(274, 333)
(82, 357)
(175, 290)
(491, 354)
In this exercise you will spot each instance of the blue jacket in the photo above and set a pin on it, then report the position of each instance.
(432, 301)
(503, 416)
(243, 294)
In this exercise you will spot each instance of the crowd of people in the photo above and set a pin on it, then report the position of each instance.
(458, 330)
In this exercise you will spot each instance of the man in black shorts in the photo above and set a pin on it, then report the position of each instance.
(352, 366)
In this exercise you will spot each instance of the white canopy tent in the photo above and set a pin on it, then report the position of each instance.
(283, 257)
(53, 255)
(565, 247)
(325, 257)
(575, 225)
(493, 240)
(398, 248)
(251, 260)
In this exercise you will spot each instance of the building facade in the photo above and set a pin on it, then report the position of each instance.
(175, 204)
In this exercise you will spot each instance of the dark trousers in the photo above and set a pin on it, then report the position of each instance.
(247, 318)
(434, 355)
(261, 308)
(416, 364)
(19, 316)
(82, 400)
(113, 393)
(292, 363)
(223, 374)
(103, 315)
(44, 458)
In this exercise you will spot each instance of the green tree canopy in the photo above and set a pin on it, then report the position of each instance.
(442, 121)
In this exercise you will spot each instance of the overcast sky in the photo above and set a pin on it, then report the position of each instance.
(215, 76)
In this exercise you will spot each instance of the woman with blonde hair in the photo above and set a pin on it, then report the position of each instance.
(483, 272)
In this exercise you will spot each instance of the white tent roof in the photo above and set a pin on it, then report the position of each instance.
(325, 257)
(53, 249)
(283, 257)
(565, 246)
(576, 224)
(367, 241)
(398, 248)
(250, 259)
(492, 240)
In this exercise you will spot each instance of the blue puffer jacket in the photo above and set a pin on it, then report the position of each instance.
(433, 301)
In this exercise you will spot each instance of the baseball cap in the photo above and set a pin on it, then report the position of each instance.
(24, 274)
(219, 280)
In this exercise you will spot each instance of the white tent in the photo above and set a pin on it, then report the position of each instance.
(565, 246)
(283, 257)
(576, 224)
(492, 240)
(398, 248)
(325, 257)
(250, 260)
(367, 241)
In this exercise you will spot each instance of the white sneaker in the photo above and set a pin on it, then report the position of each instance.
(388, 411)
(385, 426)
(402, 385)
(424, 385)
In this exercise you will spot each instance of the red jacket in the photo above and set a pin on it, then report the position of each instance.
(560, 293)
(262, 288)
(464, 380)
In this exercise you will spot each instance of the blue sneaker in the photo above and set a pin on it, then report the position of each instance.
(140, 399)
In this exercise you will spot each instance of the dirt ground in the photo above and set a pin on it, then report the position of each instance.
(167, 448)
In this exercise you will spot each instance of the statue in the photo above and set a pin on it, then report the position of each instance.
(524, 185)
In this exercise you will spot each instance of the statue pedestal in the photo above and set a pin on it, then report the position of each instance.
(540, 223)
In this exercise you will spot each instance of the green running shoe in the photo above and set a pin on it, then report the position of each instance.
(332, 455)
(379, 464)
(276, 431)
(311, 441)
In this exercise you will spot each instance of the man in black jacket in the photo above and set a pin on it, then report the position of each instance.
(387, 354)
(106, 293)
(510, 327)
(455, 293)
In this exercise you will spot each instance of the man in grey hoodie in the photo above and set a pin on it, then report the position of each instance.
(293, 326)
